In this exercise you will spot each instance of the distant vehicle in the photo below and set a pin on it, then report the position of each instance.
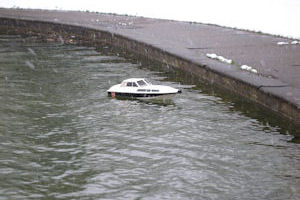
(141, 88)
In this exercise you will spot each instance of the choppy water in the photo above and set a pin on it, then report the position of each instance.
(61, 137)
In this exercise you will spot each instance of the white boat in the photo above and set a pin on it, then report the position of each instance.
(141, 88)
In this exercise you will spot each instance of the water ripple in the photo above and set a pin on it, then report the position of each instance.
(61, 137)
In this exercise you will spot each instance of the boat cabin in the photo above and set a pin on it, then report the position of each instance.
(135, 82)
(140, 88)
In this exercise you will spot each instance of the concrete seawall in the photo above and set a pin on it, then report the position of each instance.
(186, 46)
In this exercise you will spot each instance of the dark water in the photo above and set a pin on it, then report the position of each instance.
(61, 137)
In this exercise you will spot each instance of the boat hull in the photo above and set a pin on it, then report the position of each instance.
(141, 95)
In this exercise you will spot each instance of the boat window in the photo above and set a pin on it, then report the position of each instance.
(141, 90)
(142, 83)
(155, 90)
(147, 81)
(134, 84)
(129, 84)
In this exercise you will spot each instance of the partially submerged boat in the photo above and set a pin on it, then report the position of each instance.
(141, 88)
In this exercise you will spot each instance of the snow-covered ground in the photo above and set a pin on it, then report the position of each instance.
(279, 17)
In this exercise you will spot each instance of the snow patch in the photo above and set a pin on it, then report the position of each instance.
(282, 43)
(254, 71)
(219, 58)
(295, 42)
(287, 43)
(225, 60)
(211, 55)
(249, 68)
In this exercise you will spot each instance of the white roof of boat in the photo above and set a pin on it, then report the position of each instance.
(133, 79)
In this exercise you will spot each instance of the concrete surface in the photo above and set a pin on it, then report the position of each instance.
(278, 66)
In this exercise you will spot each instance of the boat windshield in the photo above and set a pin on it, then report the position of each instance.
(142, 83)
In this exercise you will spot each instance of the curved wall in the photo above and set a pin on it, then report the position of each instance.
(94, 37)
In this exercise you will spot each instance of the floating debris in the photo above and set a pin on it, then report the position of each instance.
(31, 51)
(50, 40)
(61, 40)
(54, 70)
(29, 64)
(70, 41)
(220, 58)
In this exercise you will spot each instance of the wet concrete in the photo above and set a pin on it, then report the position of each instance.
(185, 45)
